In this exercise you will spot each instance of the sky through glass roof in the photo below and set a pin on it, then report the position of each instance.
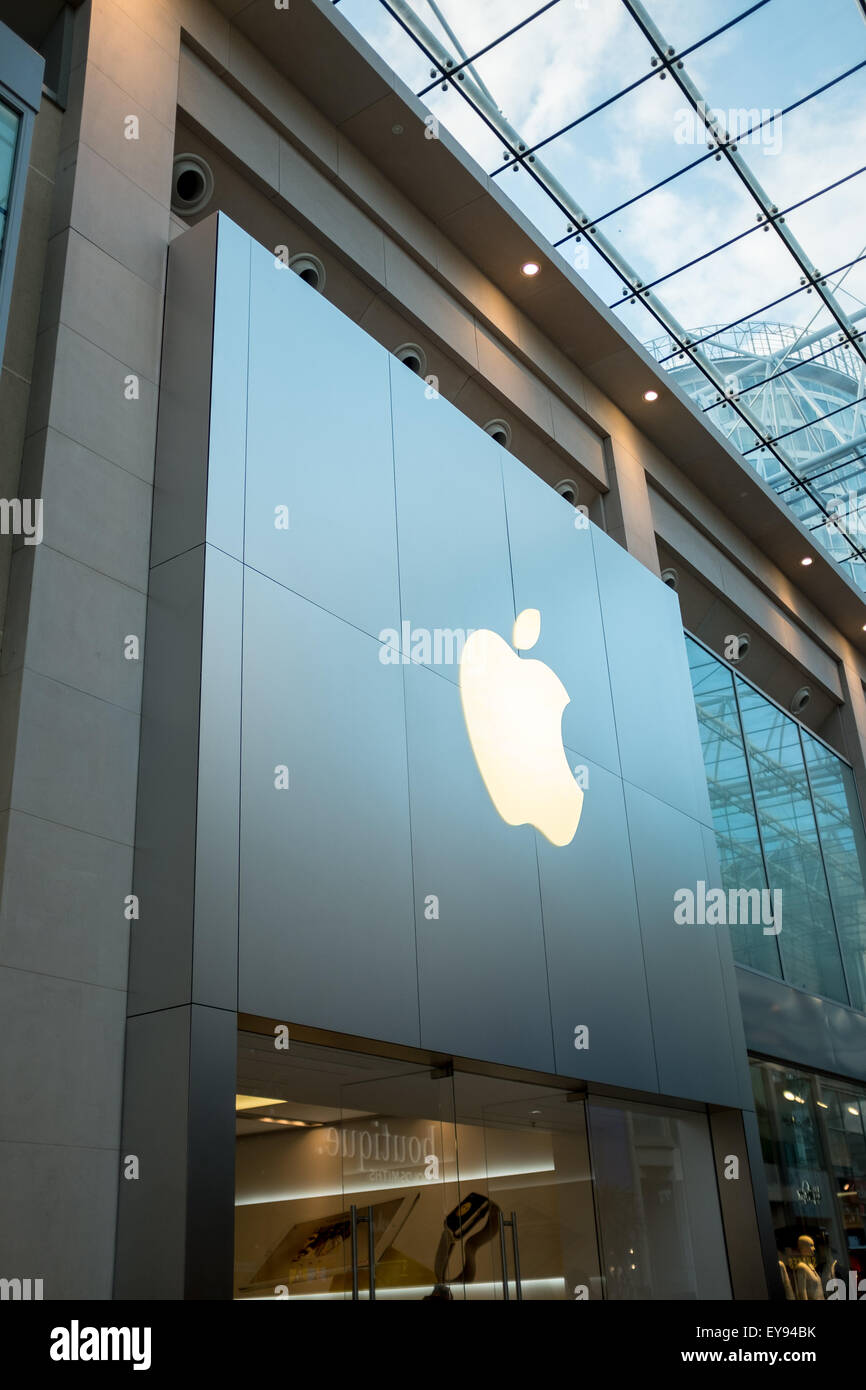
(701, 164)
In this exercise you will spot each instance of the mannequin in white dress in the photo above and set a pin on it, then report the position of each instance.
(807, 1282)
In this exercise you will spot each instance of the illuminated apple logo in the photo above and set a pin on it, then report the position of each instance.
(513, 712)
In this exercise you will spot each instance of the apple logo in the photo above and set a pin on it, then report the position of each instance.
(513, 712)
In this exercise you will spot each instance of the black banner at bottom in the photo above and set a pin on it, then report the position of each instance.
(261, 1337)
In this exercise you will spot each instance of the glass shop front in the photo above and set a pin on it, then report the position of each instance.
(361, 1176)
(813, 1138)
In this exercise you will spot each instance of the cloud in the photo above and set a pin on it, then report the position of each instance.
(578, 54)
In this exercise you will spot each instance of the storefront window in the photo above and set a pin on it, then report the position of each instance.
(9, 122)
(731, 800)
(320, 1132)
(807, 941)
(843, 845)
(659, 1223)
(461, 1186)
(787, 818)
(814, 1148)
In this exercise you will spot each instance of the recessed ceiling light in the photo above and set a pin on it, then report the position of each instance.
(650, 395)
(530, 268)
(864, 627)
(256, 1102)
(806, 560)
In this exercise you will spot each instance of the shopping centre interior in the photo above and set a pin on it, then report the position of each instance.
(518, 306)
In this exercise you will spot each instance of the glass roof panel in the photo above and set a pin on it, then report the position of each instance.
(833, 228)
(621, 151)
(391, 42)
(778, 54)
(805, 150)
(519, 185)
(771, 73)
(480, 23)
(684, 22)
(736, 281)
(554, 69)
(468, 127)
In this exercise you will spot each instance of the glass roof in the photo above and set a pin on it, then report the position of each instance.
(701, 164)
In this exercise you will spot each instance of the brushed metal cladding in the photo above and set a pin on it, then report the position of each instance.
(175, 1223)
(160, 943)
(453, 538)
(848, 1030)
(553, 567)
(729, 974)
(201, 434)
(380, 893)
(693, 1042)
(326, 928)
(594, 948)
(151, 1215)
(783, 1022)
(656, 723)
(215, 934)
(806, 1029)
(319, 445)
(482, 976)
(180, 482)
(229, 385)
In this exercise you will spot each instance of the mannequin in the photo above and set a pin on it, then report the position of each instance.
(807, 1284)
(786, 1280)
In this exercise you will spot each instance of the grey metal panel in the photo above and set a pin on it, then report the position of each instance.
(594, 949)
(694, 1049)
(553, 567)
(848, 1033)
(21, 68)
(183, 427)
(657, 728)
(385, 805)
(215, 942)
(454, 565)
(151, 1209)
(228, 400)
(727, 968)
(319, 443)
(481, 965)
(160, 951)
(210, 1234)
(737, 1199)
(175, 1228)
(758, 1176)
(783, 1022)
(326, 926)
